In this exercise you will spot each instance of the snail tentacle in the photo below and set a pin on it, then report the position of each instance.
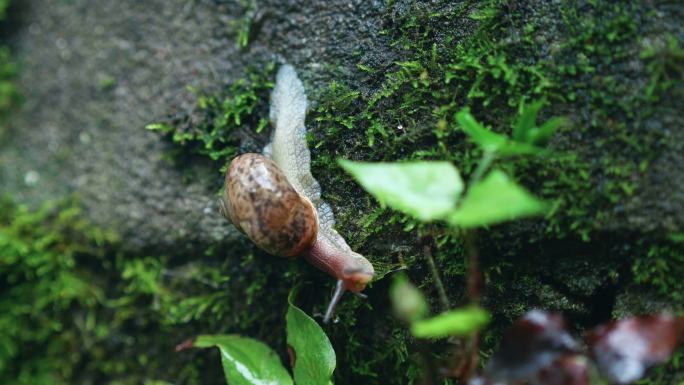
(337, 296)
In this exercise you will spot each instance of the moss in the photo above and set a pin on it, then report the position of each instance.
(9, 96)
(97, 315)
(41, 252)
(215, 128)
(661, 265)
(4, 4)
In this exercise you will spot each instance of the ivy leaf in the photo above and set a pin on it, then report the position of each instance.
(311, 352)
(459, 322)
(495, 199)
(246, 361)
(425, 190)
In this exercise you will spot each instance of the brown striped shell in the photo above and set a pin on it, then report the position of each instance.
(260, 202)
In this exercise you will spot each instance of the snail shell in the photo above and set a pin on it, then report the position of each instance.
(260, 202)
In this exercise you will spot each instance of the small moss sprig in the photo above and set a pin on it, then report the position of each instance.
(222, 117)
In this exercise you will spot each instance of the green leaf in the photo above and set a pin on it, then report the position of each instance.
(425, 190)
(246, 361)
(164, 128)
(541, 135)
(525, 129)
(408, 302)
(495, 199)
(488, 140)
(527, 121)
(460, 322)
(516, 148)
(314, 357)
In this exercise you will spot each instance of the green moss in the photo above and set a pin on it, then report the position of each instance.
(42, 279)
(243, 27)
(4, 4)
(76, 310)
(8, 91)
(215, 128)
(9, 96)
(661, 266)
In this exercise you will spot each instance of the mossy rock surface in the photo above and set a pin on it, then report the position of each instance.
(95, 73)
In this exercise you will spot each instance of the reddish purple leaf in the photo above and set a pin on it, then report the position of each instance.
(534, 342)
(570, 369)
(624, 349)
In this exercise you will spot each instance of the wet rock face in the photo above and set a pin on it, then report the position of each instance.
(95, 73)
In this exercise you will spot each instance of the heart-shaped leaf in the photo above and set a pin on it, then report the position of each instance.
(495, 199)
(425, 190)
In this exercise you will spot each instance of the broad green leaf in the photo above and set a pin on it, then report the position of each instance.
(314, 357)
(488, 140)
(408, 302)
(495, 199)
(460, 322)
(426, 190)
(246, 361)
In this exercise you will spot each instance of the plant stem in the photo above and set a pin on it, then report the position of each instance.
(425, 361)
(441, 292)
(474, 290)
(474, 285)
(486, 161)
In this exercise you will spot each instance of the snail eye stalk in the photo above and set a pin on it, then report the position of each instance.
(339, 291)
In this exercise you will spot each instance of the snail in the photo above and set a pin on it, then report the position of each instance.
(275, 201)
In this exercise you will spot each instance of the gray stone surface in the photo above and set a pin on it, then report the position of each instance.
(76, 134)
(94, 73)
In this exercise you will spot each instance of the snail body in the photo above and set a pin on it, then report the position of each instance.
(276, 202)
